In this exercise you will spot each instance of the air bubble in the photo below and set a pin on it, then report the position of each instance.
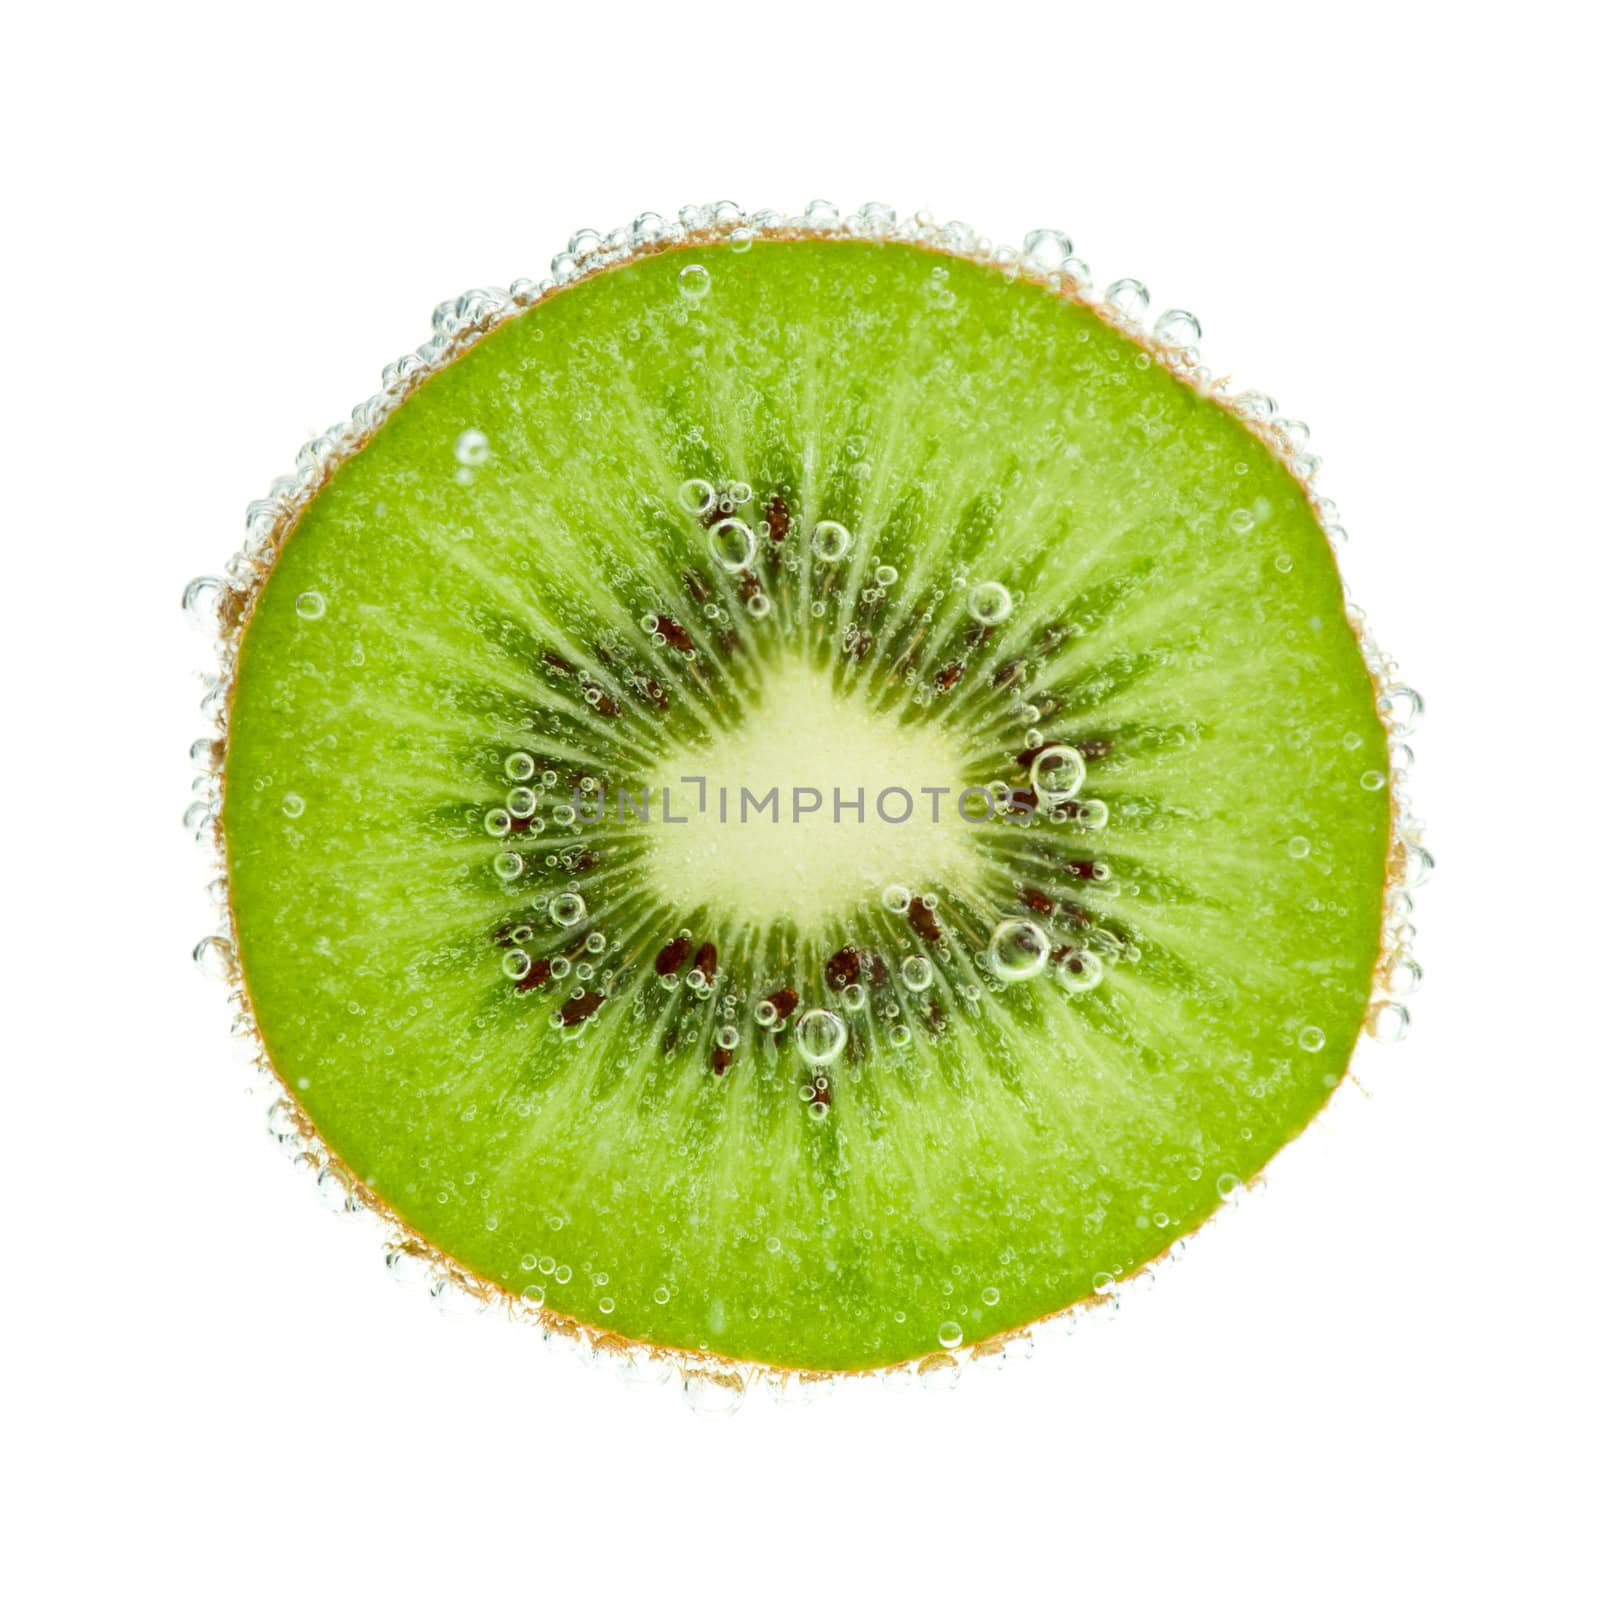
(1092, 814)
(886, 575)
(522, 801)
(516, 964)
(758, 605)
(1242, 520)
(820, 1037)
(713, 1394)
(202, 602)
(293, 805)
(1403, 708)
(830, 541)
(950, 1334)
(727, 1038)
(1058, 772)
(694, 281)
(991, 1296)
(1405, 977)
(989, 604)
(472, 448)
(917, 973)
(733, 544)
(897, 899)
(854, 997)
(497, 822)
(1311, 1039)
(1046, 250)
(1018, 949)
(520, 766)
(310, 606)
(567, 909)
(1299, 847)
(1128, 298)
(1388, 1022)
(508, 866)
(1227, 1185)
(900, 1036)
(1373, 780)
(215, 957)
(1081, 971)
(697, 497)
(1178, 329)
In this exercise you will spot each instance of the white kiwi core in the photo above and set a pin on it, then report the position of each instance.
(814, 804)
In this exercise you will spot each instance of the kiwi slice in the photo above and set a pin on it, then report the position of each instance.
(805, 793)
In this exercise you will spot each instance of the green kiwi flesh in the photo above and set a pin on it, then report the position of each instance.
(832, 1091)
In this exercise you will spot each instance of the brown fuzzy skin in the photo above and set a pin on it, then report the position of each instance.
(234, 614)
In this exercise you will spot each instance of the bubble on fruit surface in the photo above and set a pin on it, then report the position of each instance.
(1404, 977)
(1389, 1022)
(497, 822)
(733, 543)
(202, 602)
(697, 497)
(1228, 1186)
(1373, 780)
(508, 866)
(830, 541)
(1402, 708)
(1080, 971)
(214, 956)
(989, 604)
(694, 281)
(820, 1036)
(758, 605)
(1057, 772)
(472, 447)
(713, 1393)
(949, 1334)
(293, 805)
(310, 605)
(1018, 950)
(1046, 250)
(897, 899)
(916, 972)
(516, 964)
(1128, 298)
(1299, 847)
(1178, 329)
(1311, 1039)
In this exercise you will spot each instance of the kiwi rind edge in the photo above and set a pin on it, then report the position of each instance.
(457, 326)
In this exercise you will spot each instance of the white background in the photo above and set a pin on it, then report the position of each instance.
(1376, 1376)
